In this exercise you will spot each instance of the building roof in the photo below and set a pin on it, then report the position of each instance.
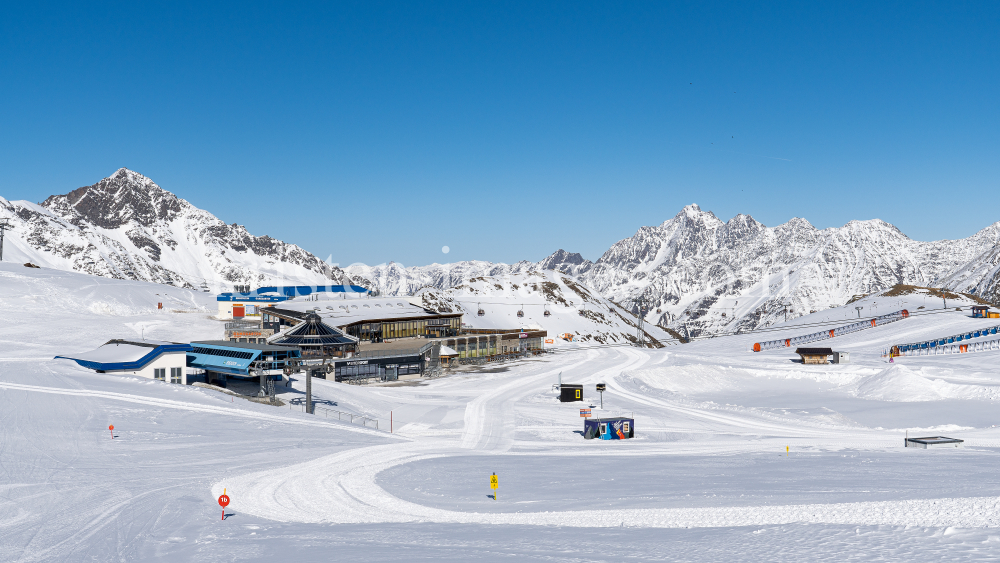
(446, 351)
(125, 355)
(223, 356)
(341, 313)
(246, 345)
(282, 292)
(814, 351)
(312, 331)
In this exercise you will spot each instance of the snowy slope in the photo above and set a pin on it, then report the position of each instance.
(573, 308)
(127, 227)
(698, 272)
(707, 478)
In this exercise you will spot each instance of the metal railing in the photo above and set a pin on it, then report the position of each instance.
(329, 413)
(242, 324)
(391, 353)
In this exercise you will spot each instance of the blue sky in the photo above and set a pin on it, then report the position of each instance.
(384, 131)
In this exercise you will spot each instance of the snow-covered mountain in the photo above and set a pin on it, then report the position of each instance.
(127, 227)
(693, 271)
(697, 272)
(572, 308)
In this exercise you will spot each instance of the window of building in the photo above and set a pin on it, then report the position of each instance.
(175, 375)
(159, 374)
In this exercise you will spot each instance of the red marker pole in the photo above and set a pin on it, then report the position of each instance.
(112, 429)
(223, 502)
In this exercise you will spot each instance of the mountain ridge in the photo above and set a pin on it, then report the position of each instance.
(693, 270)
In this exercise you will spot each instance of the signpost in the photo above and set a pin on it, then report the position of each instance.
(112, 429)
(585, 413)
(494, 483)
(223, 502)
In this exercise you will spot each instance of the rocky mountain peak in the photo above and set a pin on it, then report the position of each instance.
(566, 262)
(117, 200)
(692, 216)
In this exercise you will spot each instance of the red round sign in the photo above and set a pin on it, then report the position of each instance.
(223, 501)
(112, 427)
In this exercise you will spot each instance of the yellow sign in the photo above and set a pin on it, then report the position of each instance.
(494, 483)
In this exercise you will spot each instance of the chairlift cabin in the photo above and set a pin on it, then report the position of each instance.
(658, 310)
(481, 311)
(520, 312)
(547, 312)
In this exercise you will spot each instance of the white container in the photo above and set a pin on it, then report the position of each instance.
(841, 357)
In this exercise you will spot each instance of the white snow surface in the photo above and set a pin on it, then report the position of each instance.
(127, 227)
(707, 477)
(117, 352)
(708, 276)
(573, 308)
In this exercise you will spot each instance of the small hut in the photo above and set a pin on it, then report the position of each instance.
(814, 355)
(980, 312)
(447, 355)
(570, 393)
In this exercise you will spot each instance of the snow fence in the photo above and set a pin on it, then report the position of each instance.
(981, 346)
(954, 344)
(830, 333)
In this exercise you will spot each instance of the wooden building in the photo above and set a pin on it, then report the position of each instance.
(814, 355)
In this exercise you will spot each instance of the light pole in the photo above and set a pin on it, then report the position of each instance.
(786, 306)
(600, 389)
(858, 308)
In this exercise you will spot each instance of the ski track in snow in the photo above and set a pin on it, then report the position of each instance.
(171, 404)
(342, 488)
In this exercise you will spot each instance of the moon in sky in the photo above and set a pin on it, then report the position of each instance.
(445, 249)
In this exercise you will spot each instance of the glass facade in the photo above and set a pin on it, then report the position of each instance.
(474, 346)
(374, 370)
(405, 329)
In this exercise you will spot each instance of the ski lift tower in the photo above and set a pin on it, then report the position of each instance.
(641, 306)
(4, 225)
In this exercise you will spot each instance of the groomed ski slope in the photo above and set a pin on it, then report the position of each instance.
(707, 477)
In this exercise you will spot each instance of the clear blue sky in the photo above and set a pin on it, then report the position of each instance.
(384, 131)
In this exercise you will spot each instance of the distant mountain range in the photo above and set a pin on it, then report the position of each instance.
(698, 273)
(127, 227)
(693, 271)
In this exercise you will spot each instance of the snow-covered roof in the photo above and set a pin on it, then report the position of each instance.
(446, 351)
(118, 355)
(349, 311)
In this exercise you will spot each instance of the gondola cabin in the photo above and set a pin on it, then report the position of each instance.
(609, 428)
(570, 393)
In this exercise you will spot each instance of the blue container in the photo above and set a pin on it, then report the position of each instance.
(609, 428)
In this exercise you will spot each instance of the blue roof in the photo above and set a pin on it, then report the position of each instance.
(123, 355)
(289, 291)
(251, 298)
(234, 359)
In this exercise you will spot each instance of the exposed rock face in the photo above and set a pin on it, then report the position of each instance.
(697, 271)
(566, 262)
(127, 227)
(693, 270)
